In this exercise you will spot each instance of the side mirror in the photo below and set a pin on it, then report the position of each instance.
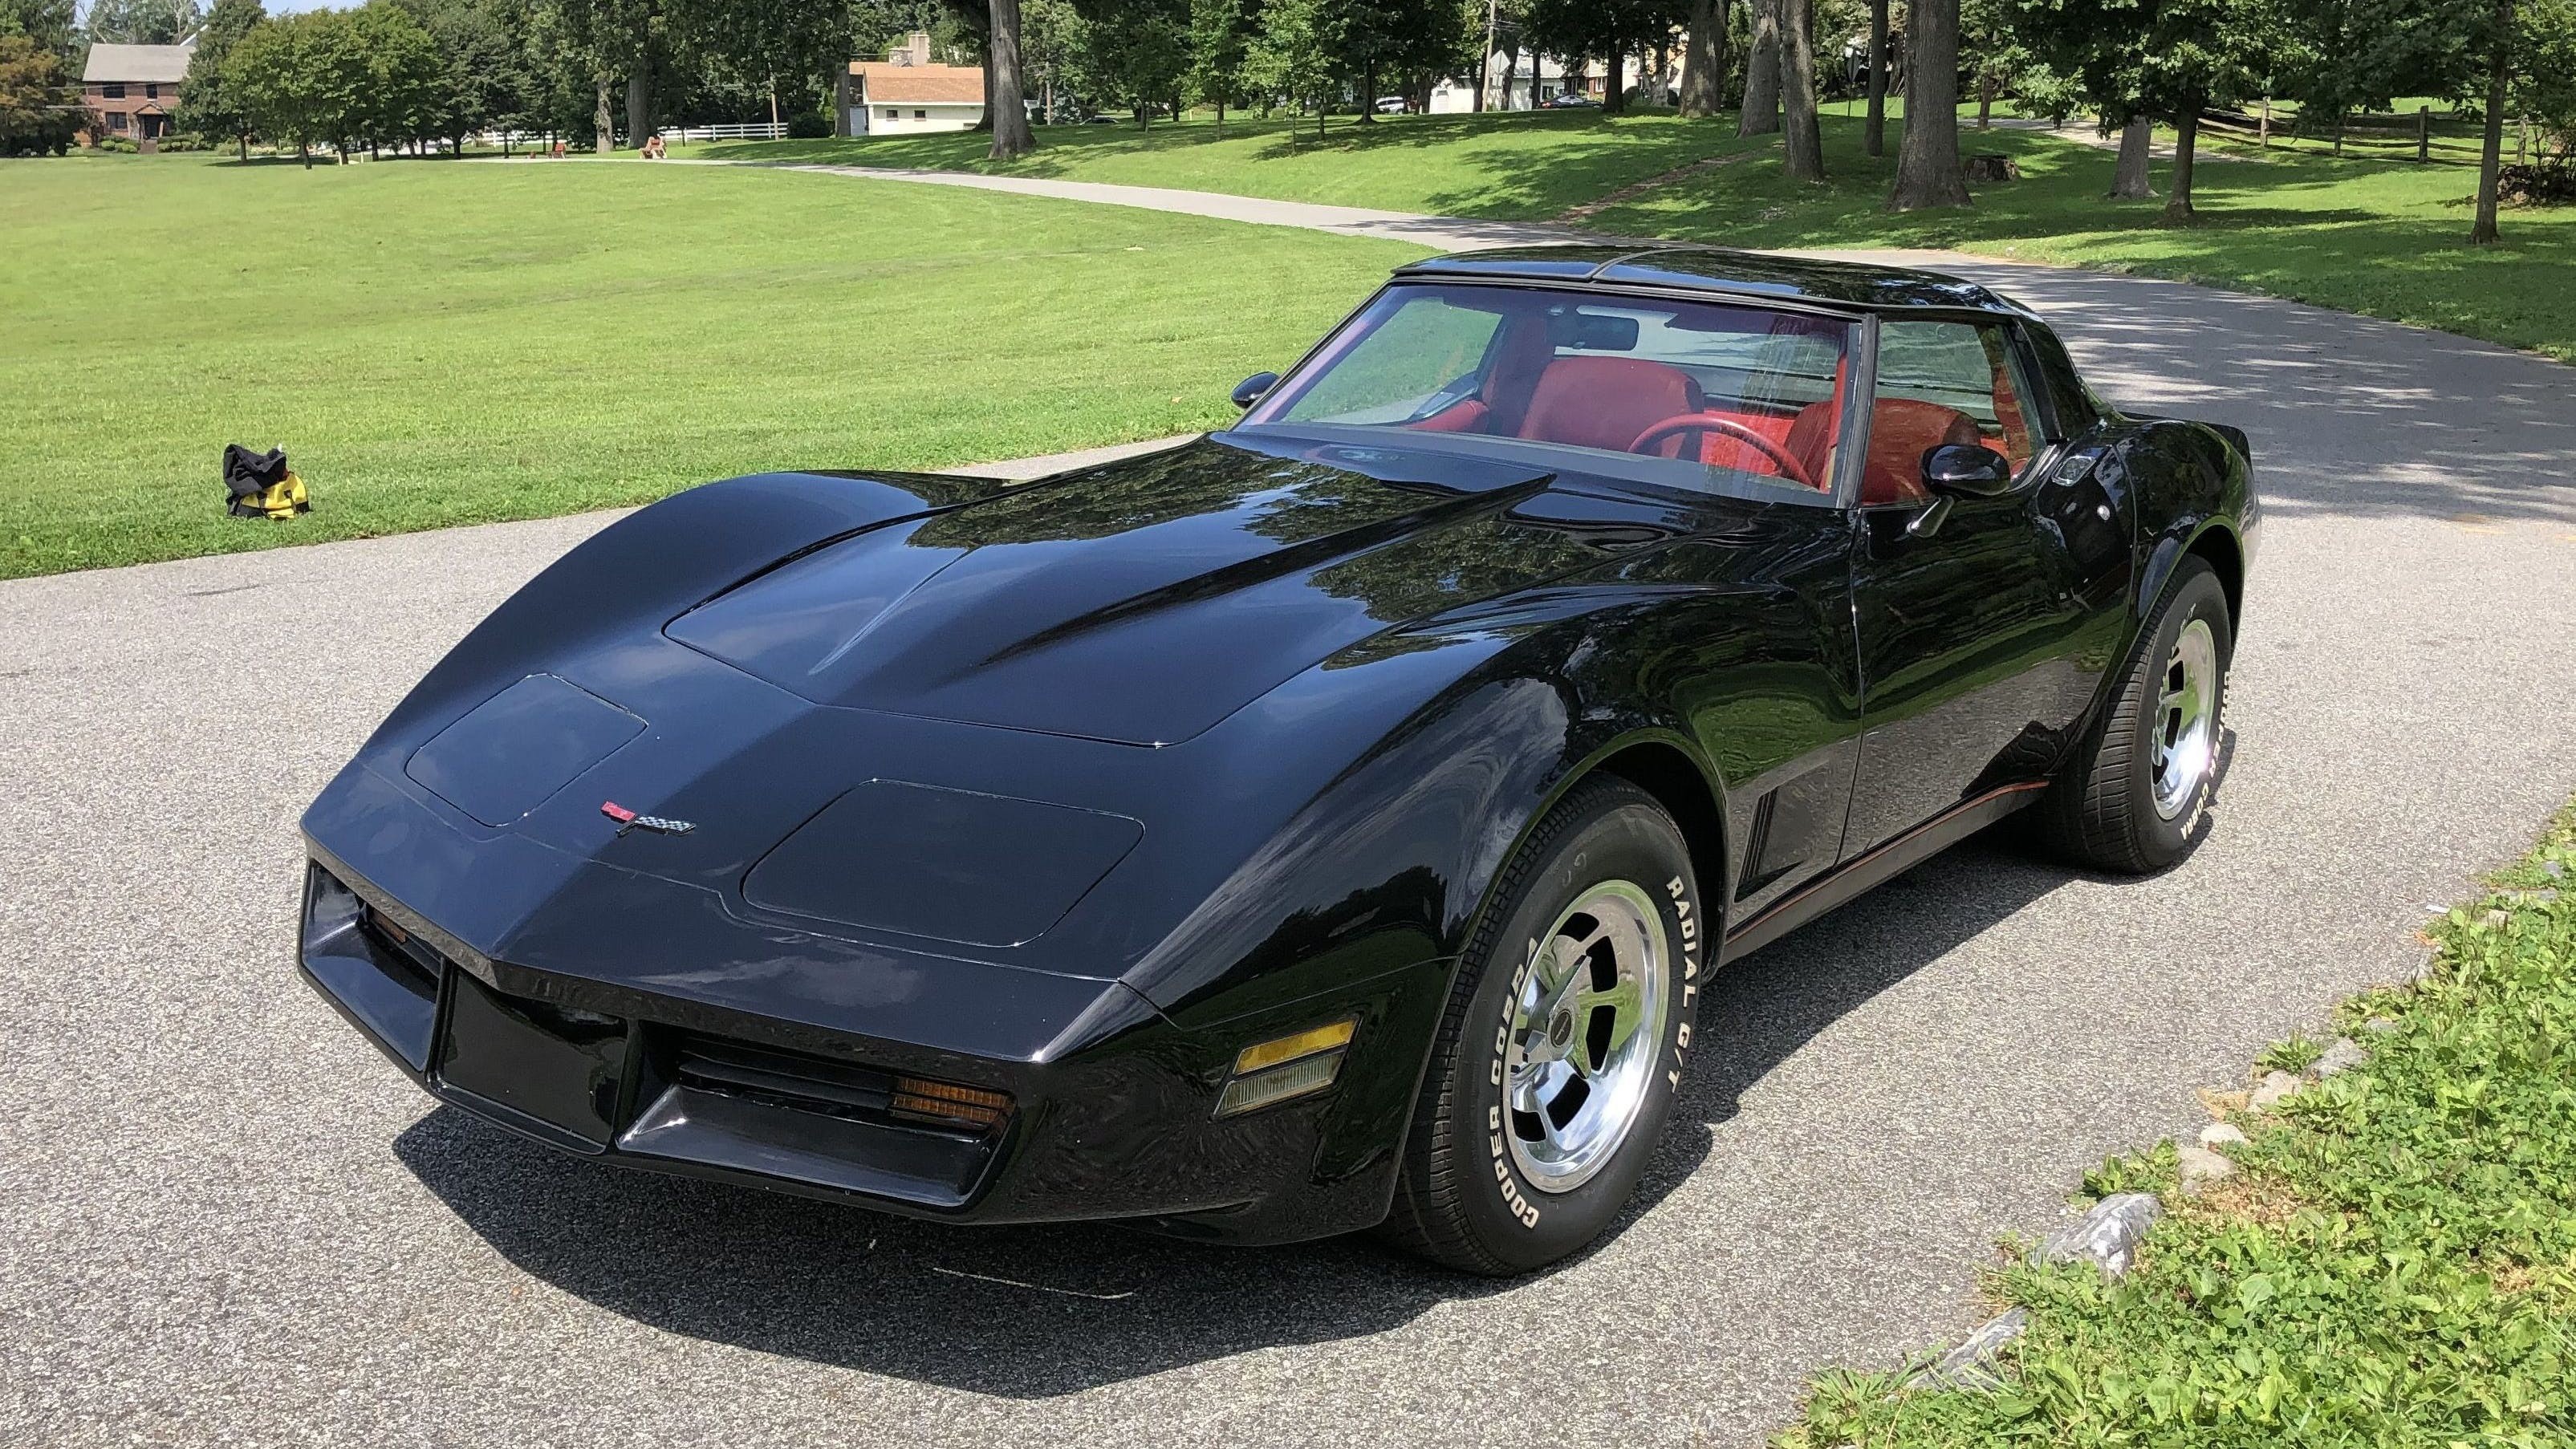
(1249, 391)
(1964, 470)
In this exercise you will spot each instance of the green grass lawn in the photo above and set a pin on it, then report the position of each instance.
(2384, 239)
(2378, 237)
(2394, 1264)
(1521, 167)
(449, 342)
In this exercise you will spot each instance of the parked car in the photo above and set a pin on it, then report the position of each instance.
(1572, 101)
(1326, 824)
(1391, 106)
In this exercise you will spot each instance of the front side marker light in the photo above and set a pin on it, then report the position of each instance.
(1284, 1068)
(947, 1104)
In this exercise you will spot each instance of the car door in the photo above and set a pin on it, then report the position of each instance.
(1983, 624)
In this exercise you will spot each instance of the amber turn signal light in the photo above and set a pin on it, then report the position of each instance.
(946, 1104)
(1285, 1067)
(1288, 1048)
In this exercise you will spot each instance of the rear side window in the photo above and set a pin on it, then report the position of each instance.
(2077, 408)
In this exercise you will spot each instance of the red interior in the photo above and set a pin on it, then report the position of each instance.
(1592, 401)
(1901, 430)
(1605, 402)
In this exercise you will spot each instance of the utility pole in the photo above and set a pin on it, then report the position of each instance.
(1485, 66)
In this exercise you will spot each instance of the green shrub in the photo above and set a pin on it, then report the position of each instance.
(2550, 183)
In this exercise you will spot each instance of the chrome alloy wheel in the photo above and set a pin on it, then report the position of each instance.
(1586, 1033)
(2186, 720)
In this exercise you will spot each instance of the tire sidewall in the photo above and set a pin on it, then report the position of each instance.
(1518, 1223)
(2196, 595)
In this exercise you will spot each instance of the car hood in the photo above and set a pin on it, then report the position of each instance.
(1143, 601)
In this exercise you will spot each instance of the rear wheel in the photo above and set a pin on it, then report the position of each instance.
(1562, 1048)
(2131, 799)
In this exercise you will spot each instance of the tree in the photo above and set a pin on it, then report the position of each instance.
(1761, 114)
(40, 106)
(1927, 159)
(1010, 115)
(1704, 59)
(1802, 145)
(207, 107)
(1293, 55)
(402, 96)
(1381, 40)
(481, 79)
(52, 24)
(1873, 135)
(2483, 231)
(303, 79)
(1220, 53)
(1135, 52)
(143, 22)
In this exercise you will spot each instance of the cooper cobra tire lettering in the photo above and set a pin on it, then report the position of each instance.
(1484, 1187)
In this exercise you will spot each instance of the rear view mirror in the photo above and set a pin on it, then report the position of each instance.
(1964, 470)
(1249, 391)
(1592, 332)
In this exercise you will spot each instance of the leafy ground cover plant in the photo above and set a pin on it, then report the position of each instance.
(2393, 1263)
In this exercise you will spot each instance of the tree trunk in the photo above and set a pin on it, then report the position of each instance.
(2186, 139)
(1702, 68)
(1011, 138)
(303, 149)
(1761, 114)
(2499, 75)
(1220, 115)
(1802, 148)
(1614, 90)
(2129, 178)
(242, 141)
(1927, 161)
(639, 103)
(1873, 137)
(599, 118)
(1511, 69)
(1985, 100)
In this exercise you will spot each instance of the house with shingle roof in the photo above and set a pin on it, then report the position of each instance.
(908, 92)
(132, 89)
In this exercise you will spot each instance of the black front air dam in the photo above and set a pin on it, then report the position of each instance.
(1121, 1129)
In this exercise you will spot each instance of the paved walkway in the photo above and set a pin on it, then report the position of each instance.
(230, 1221)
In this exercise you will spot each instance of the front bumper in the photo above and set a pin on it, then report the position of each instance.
(1122, 1128)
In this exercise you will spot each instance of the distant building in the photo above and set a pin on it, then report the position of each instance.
(132, 89)
(1539, 79)
(1535, 81)
(906, 92)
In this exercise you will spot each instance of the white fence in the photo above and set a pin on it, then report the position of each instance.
(676, 135)
(751, 131)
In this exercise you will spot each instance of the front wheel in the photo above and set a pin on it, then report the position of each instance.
(1563, 1046)
(2131, 798)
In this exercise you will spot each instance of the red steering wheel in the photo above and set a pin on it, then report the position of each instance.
(1788, 464)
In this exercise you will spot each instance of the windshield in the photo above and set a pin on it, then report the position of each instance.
(1700, 392)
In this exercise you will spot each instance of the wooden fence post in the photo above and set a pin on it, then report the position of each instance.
(2423, 133)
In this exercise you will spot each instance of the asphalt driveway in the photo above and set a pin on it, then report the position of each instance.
(227, 1220)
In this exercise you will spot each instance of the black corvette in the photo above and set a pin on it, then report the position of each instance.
(1324, 824)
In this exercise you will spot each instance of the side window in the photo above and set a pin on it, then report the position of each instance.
(1943, 382)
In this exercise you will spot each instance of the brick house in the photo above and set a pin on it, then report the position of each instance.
(132, 89)
(907, 92)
